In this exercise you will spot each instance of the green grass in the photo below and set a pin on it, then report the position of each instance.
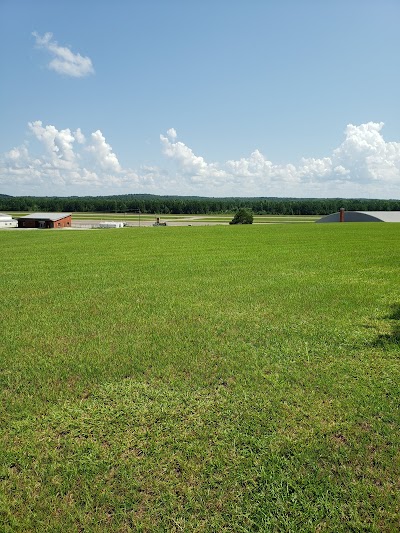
(207, 379)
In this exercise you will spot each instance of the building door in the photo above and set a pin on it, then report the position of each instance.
(42, 224)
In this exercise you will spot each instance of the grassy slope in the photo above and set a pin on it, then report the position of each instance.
(201, 379)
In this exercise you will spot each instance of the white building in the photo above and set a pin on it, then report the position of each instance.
(7, 221)
(111, 224)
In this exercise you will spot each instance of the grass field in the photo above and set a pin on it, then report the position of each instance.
(201, 379)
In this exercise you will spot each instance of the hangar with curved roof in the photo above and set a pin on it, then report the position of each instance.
(362, 216)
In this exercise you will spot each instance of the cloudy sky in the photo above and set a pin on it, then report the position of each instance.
(210, 98)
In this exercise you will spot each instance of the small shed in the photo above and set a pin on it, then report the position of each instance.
(362, 216)
(7, 221)
(46, 220)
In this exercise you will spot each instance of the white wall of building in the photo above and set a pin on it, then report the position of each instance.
(6, 221)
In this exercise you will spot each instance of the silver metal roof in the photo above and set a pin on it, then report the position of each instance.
(47, 216)
(363, 216)
(385, 216)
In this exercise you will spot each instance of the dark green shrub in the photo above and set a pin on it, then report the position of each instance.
(242, 216)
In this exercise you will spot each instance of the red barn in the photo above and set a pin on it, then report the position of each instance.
(45, 220)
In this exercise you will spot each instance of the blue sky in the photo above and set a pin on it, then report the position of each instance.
(215, 98)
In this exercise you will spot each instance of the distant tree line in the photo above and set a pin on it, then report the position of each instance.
(187, 205)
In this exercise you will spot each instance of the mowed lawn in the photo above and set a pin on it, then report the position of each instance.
(198, 379)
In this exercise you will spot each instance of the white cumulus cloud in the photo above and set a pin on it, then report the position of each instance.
(79, 137)
(104, 156)
(62, 161)
(58, 144)
(64, 61)
(66, 164)
(363, 165)
(367, 156)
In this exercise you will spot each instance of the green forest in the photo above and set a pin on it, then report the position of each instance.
(133, 203)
